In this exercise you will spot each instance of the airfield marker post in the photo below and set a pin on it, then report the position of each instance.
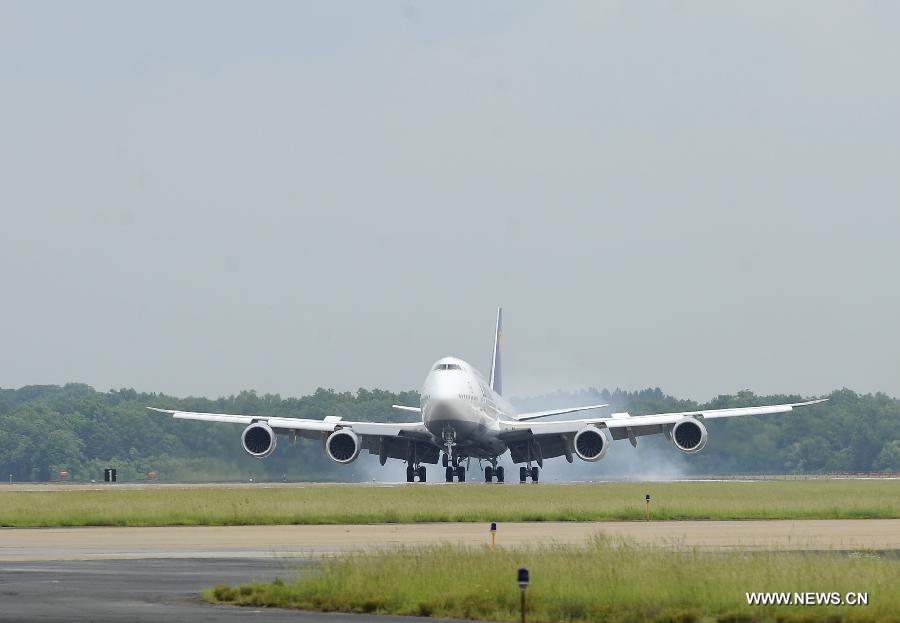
(647, 500)
(493, 532)
(523, 585)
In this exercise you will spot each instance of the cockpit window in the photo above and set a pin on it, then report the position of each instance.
(448, 366)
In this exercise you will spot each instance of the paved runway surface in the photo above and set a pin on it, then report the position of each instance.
(105, 486)
(154, 574)
(140, 591)
(23, 544)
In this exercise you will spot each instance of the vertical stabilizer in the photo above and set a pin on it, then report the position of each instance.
(496, 377)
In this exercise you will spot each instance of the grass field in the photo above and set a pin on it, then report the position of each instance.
(815, 499)
(606, 581)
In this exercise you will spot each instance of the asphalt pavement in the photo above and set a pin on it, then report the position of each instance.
(148, 590)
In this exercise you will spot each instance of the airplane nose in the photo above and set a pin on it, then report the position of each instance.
(439, 411)
(442, 405)
(443, 389)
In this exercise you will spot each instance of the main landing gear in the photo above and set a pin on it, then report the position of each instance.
(525, 472)
(453, 468)
(492, 471)
(413, 472)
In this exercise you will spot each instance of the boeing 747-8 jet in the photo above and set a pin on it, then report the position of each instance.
(464, 416)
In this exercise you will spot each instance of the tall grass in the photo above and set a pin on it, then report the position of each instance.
(606, 581)
(817, 499)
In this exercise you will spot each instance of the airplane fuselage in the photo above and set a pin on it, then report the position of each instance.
(460, 409)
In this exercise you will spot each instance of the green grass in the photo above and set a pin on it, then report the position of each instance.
(815, 499)
(605, 581)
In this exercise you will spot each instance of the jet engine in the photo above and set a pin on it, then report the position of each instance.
(258, 440)
(689, 436)
(342, 446)
(590, 444)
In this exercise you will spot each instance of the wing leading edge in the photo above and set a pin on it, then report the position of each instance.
(521, 417)
(314, 428)
(624, 420)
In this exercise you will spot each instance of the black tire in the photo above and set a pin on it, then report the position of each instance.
(523, 474)
(488, 473)
(461, 473)
(534, 474)
(448, 473)
(499, 473)
(421, 473)
(410, 473)
(444, 461)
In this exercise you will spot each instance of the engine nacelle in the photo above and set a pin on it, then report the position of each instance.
(590, 444)
(342, 446)
(689, 436)
(258, 440)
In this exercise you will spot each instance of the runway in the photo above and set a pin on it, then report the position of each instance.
(141, 591)
(149, 485)
(153, 574)
(34, 544)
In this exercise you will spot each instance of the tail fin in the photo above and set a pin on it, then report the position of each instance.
(496, 377)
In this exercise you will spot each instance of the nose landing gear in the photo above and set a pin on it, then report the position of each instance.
(453, 468)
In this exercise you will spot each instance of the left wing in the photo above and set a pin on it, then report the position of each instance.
(544, 440)
(521, 417)
(624, 420)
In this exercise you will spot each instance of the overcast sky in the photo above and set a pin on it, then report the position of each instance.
(204, 197)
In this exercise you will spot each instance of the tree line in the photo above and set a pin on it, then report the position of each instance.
(45, 429)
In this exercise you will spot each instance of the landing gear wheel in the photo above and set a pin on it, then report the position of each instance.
(534, 474)
(461, 473)
(421, 472)
(455, 461)
(449, 473)
(523, 474)
(488, 473)
(444, 459)
(499, 473)
(410, 473)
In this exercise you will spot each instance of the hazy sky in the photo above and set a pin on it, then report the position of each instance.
(204, 197)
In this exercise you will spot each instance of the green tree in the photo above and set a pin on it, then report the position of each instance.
(889, 458)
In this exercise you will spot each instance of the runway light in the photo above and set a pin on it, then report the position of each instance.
(647, 500)
(523, 584)
(493, 531)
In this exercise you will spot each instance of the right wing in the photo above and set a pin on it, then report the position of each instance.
(405, 408)
(307, 428)
(386, 439)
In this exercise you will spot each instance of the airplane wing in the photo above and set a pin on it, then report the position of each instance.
(404, 408)
(554, 438)
(304, 427)
(522, 417)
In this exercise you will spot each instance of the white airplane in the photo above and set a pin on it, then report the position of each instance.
(464, 416)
